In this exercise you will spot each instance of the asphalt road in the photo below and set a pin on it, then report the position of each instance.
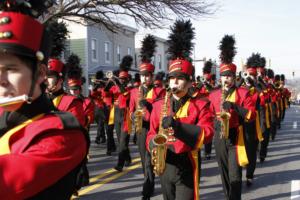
(277, 178)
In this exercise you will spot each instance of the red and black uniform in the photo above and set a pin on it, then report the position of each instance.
(141, 100)
(68, 103)
(253, 134)
(88, 106)
(252, 129)
(61, 100)
(285, 96)
(100, 113)
(122, 122)
(230, 146)
(274, 112)
(150, 95)
(204, 91)
(36, 140)
(182, 155)
(191, 123)
(41, 141)
(231, 152)
(125, 126)
(264, 112)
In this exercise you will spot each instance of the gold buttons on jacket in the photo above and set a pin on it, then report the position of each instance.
(4, 20)
(5, 35)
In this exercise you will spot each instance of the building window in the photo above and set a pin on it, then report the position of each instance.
(159, 61)
(154, 60)
(129, 51)
(94, 49)
(106, 50)
(119, 53)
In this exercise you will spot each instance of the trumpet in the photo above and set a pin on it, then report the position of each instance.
(245, 75)
(110, 75)
(13, 100)
(97, 81)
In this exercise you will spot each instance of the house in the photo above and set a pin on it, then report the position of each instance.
(99, 48)
(159, 59)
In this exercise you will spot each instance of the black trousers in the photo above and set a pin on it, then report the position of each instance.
(148, 185)
(231, 172)
(274, 121)
(110, 145)
(101, 120)
(177, 180)
(118, 120)
(264, 144)
(207, 148)
(124, 154)
(283, 114)
(251, 144)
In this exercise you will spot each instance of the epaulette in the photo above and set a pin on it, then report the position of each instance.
(70, 122)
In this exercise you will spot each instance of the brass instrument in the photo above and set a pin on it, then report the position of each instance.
(202, 80)
(159, 152)
(109, 74)
(245, 75)
(13, 100)
(224, 116)
(138, 114)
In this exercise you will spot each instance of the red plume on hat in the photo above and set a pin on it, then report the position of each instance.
(125, 66)
(74, 73)
(180, 48)
(252, 63)
(20, 32)
(228, 51)
(147, 52)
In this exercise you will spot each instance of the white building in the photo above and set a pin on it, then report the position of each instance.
(159, 60)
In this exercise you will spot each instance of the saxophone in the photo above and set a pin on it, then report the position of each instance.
(138, 114)
(159, 152)
(224, 117)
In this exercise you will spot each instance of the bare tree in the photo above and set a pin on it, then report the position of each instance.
(147, 13)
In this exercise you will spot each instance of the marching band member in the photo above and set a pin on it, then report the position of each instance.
(41, 149)
(140, 106)
(75, 82)
(253, 133)
(55, 78)
(184, 122)
(118, 87)
(230, 105)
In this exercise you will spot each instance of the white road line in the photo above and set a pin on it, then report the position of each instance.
(295, 125)
(295, 189)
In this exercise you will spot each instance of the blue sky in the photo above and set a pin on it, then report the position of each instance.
(270, 27)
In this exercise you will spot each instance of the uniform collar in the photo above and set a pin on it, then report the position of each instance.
(177, 104)
(9, 120)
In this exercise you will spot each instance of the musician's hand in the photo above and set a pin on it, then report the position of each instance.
(143, 103)
(227, 105)
(135, 113)
(168, 121)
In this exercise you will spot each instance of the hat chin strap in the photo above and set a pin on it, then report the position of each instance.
(32, 87)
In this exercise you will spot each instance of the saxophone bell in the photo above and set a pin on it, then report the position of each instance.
(159, 154)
